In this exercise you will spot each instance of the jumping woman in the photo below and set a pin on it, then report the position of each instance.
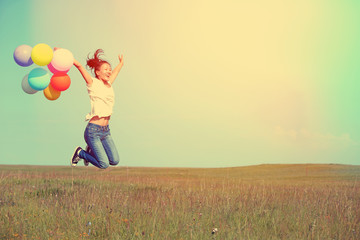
(101, 150)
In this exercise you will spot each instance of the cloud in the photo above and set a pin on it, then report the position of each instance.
(314, 140)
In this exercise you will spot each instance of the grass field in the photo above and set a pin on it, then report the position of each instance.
(255, 202)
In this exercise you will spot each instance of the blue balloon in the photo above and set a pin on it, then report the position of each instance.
(22, 55)
(39, 79)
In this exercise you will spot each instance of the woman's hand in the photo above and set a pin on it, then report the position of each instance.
(121, 59)
(76, 63)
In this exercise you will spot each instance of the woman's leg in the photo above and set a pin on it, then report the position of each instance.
(93, 135)
(93, 158)
(110, 149)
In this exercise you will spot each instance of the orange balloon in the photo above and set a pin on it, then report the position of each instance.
(60, 81)
(51, 94)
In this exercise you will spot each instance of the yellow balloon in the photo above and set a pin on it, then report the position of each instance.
(42, 54)
(51, 94)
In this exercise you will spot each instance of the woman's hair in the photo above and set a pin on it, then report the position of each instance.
(95, 62)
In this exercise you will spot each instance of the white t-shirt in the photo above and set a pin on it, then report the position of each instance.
(102, 99)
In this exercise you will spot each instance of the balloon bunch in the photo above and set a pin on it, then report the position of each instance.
(58, 62)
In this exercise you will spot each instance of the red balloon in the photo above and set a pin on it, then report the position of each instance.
(60, 81)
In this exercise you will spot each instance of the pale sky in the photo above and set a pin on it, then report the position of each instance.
(204, 84)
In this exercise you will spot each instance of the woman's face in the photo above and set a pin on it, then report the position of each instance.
(104, 72)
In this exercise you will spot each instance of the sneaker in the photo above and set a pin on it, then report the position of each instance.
(75, 158)
(87, 149)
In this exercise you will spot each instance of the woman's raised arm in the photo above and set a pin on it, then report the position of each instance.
(117, 69)
(84, 73)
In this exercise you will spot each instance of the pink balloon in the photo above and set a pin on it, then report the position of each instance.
(53, 70)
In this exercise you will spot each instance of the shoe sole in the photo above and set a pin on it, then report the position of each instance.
(71, 160)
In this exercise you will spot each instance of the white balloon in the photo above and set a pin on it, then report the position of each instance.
(26, 87)
(62, 60)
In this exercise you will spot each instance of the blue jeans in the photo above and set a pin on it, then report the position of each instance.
(103, 150)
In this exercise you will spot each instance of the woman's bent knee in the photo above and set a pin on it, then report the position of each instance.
(115, 159)
(103, 165)
(114, 162)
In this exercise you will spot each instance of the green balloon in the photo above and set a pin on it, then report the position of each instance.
(39, 79)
